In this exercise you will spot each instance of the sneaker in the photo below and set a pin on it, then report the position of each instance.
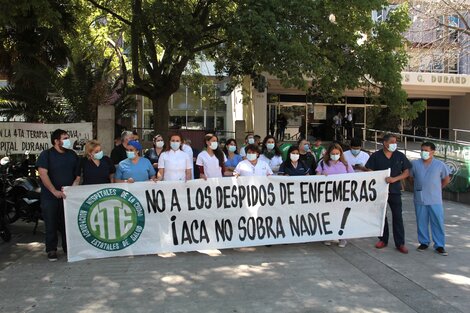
(52, 256)
(380, 245)
(327, 243)
(342, 243)
(422, 247)
(441, 251)
(403, 249)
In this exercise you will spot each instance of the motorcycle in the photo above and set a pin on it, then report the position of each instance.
(20, 193)
(5, 233)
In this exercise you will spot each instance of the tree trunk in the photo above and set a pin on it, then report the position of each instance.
(161, 115)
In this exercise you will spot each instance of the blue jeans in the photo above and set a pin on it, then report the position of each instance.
(394, 201)
(430, 215)
(53, 215)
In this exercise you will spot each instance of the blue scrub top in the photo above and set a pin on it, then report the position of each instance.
(233, 162)
(141, 171)
(427, 181)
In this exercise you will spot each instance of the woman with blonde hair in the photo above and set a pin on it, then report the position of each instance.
(333, 163)
(94, 167)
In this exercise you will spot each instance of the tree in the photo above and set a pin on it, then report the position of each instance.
(439, 36)
(338, 46)
(32, 49)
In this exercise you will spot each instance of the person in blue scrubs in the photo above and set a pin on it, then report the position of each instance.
(390, 158)
(233, 157)
(429, 177)
(134, 168)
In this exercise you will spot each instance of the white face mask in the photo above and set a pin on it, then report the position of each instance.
(214, 145)
(251, 156)
(270, 146)
(425, 155)
(130, 154)
(251, 141)
(159, 144)
(294, 157)
(232, 148)
(334, 157)
(392, 147)
(66, 144)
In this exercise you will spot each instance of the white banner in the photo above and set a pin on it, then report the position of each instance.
(18, 137)
(147, 218)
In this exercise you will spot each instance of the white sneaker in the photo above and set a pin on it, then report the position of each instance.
(342, 243)
(327, 243)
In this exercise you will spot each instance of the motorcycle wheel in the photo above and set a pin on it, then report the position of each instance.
(12, 215)
(5, 234)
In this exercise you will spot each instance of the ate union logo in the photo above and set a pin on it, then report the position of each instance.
(111, 219)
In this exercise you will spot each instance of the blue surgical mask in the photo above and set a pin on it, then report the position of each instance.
(159, 144)
(306, 147)
(251, 141)
(66, 144)
(98, 155)
(425, 155)
(355, 152)
(232, 148)
(392, 147)
(130, 154)
(270, 146)
(175, 145)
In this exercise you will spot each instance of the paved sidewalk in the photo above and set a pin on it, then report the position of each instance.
(285, 278)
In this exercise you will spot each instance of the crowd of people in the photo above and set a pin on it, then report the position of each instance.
(174, 160)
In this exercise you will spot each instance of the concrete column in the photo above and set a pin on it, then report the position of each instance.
(105, 128)
(260, 109)
(459, 113)
(240, 132)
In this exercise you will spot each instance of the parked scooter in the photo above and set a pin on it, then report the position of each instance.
(5, 233)
(20, 194)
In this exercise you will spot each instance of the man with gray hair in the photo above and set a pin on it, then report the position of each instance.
(119, 152)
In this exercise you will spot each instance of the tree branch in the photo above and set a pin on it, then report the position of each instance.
(107, 10)
(207, 46)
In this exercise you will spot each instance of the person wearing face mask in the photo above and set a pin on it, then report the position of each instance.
(153, 154)
(134, 168)
(356, 157)
(94, 167)
(211, 162)
(57, 167)
(294, 166)
(249, 140)
(390, 158)
(271, 153)
(119, 152)
(306, 155)
(252, 166)
(334, 163)
(429, 177)
(233, 158)
(317, 149)
(174, 164)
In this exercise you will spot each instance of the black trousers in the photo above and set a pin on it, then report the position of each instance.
(53, 215)
(394, 201)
